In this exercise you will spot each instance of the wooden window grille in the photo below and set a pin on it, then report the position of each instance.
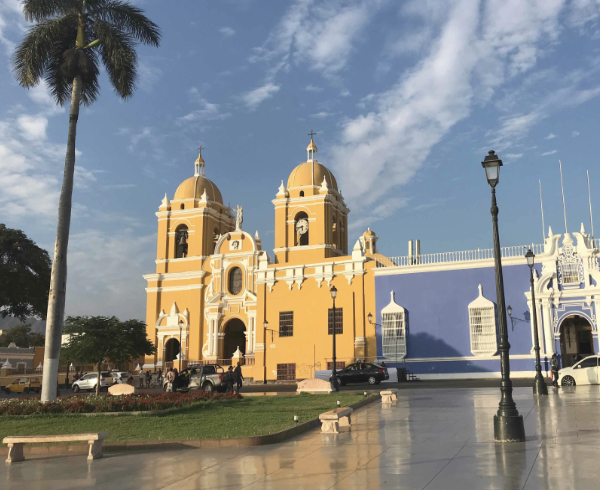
(338, 365)
(483, 331)
(339, 321)
(286, 372)
(286, 323)
(393, 335)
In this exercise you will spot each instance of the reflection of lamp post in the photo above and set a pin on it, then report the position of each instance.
(508, 424)
(539, 385)
(334, 381)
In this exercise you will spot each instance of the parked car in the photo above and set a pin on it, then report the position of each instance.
(90, 380)
(24, 385)
(584, 372)
(361, 372)
(121, 376)
(208, 378)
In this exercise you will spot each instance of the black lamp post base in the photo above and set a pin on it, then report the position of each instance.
(539, 385)
(509, 429)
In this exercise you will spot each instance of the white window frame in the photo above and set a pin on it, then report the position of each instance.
(483, 329)
(393, 330)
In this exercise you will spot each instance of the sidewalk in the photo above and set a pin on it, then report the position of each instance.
(434, 439)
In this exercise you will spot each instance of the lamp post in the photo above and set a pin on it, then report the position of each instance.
(508, 423)
(265, 325)
(180, 342)
(334, 380)
(539, 385)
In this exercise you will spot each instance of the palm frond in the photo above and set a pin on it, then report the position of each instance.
(38, 10)
(118, 55)
(32, 55)
(127, 18)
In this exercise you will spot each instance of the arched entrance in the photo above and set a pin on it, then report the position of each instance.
(576, 340)
(171, 349)
(235, 337)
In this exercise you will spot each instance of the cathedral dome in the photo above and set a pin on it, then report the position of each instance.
(311, 174)
(194, 187)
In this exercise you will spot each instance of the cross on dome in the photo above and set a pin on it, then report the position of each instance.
(199, 163)
(311, 149)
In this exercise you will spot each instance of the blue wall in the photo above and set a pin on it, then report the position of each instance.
(436, 305)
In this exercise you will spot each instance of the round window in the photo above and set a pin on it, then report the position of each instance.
(235, 280)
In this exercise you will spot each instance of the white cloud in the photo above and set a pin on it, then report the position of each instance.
(33, 128)
(549, 153)
(574, 134)
(148, 75)
(551, 136)
(512, 156)
(322, 115)
(207, 111)
(227, 31)
(255, 97)
(313, 88)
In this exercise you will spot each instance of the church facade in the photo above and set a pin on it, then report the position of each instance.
(217, 296)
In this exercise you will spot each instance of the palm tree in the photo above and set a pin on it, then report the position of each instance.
(68, 41)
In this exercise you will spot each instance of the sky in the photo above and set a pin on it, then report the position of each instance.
(406, 99)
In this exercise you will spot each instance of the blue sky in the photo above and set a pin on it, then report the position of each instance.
(406, 98)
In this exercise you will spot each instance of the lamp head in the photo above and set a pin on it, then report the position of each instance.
(370, 318)
(333, 292)
(530, 256)
(509, 310)
(265, 324)
(491, 163)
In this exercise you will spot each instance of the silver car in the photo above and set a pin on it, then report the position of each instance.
(90, 380)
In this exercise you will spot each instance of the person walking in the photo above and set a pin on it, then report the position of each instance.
(238, 377)
(229, 375)
(170, 379)
(555, 365)
(148, 378)
(141, 378)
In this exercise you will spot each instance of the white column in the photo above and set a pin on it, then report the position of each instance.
(215, 338)
(531, 326)
(548, 327)
(211, 327)
(540, 328)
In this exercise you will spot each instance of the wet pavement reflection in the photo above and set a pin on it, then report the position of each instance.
(441, 439)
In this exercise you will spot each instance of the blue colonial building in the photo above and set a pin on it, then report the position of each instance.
(437, 313)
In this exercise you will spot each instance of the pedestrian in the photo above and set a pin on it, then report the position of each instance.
(238, 377)
(148, 378)
(141, 378)
(170, 379)
(229, 380)
(159, 377)
(555, 365)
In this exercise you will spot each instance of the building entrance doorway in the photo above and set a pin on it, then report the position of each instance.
(235, 336)
(171, 350)
(576, 340)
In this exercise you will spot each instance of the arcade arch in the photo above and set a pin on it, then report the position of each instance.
(576, 341)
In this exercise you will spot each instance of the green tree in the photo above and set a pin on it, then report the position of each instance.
(96, 339)
(22, 336)
(65, 46)
(24, 275)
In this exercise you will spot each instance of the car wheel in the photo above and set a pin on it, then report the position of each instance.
(372, 380)
(25, 390)
(7, 390)
(568, 381)
(208, 388)
(76, 388)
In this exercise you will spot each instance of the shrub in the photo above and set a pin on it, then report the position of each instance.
(146, 402)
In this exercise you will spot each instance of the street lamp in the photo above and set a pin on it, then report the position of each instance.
(265, 325)
(334, 380)
(508, 423)
(180, 342)
(539, 385)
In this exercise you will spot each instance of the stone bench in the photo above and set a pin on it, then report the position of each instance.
(388, 396)
(334, 419)
(16, 443)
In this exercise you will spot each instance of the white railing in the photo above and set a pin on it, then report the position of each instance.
(463, 256)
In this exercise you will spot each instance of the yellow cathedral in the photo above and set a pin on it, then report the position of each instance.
(217, 296)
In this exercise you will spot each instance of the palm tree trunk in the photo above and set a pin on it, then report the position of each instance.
(58, 279)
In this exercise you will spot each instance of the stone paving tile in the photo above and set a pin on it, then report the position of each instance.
(440, 441)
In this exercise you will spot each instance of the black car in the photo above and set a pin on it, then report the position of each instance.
(362, 372)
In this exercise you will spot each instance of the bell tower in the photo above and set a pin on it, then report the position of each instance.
(311, 218)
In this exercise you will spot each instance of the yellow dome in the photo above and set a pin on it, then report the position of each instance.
(369, 232)
(194, 187)
(311, 174)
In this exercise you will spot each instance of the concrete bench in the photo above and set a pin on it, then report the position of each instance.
(16, 443)
(388, 396)
(334, 419)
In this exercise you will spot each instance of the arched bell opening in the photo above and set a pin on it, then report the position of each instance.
(576, 341)
(235, 336)
(181, 242)
(171, 350)
(301, 227)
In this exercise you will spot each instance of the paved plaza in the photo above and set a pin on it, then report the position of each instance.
(433, 439)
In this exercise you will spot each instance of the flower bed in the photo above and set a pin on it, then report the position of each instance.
(101, 404)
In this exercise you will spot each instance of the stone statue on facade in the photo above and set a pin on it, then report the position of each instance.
(239, 219)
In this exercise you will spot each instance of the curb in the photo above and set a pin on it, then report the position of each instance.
(55, 450)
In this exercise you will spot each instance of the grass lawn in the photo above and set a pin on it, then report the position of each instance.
(223, 419)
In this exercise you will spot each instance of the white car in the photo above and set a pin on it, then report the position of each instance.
(584, 372)
(90, 380)
(121, 376)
